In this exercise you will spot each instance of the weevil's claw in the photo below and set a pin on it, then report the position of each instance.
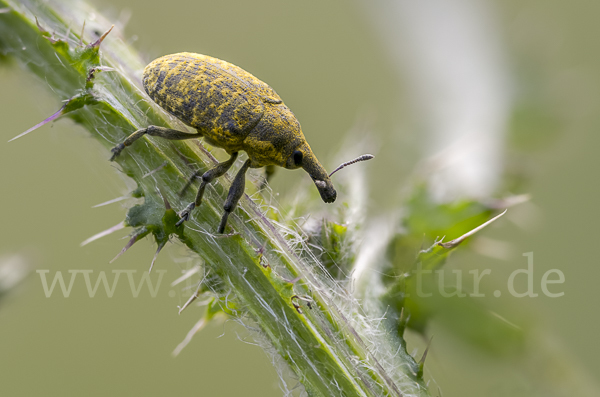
(116, 151)
(185, 214)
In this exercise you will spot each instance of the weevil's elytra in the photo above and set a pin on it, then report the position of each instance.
(232, 110)
(208, 94)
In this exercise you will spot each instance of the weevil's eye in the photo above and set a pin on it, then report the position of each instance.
(297, 155)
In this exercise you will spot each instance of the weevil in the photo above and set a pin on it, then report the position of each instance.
(233, 110)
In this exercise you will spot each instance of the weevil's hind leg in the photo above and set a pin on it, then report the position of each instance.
(152, 130)
(235, 193)
(269, 171)
(207, 178)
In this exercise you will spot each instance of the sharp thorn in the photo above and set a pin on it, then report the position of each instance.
(41, 29)
(92, 73)
(164, 197)
(401, 323)
(103, 233)
(190, 300)
(186, 275)
(115, 200)
(49, 119)
(160, 246)
(422, 361)
(101, 39)
(167, 204)
(457, 241)
(129, 244)
(188, 338)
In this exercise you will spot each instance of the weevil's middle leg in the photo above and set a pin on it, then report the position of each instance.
(235, 193)
(210, 175)
(152, 130)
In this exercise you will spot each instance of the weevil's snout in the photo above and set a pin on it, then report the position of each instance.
(326, 190)
(310, 164)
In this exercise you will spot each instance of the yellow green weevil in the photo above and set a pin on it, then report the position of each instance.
(233, 110)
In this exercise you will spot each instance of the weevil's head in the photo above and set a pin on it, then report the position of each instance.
(303, 157)
(278, 140)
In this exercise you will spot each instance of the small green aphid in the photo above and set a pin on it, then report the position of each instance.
(233, 110)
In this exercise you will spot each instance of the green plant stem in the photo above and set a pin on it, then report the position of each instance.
(259, 270)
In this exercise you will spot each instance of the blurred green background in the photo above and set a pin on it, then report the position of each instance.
(328, 63)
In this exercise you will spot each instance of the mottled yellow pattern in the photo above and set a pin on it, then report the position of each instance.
(232, 110)
(220, 100)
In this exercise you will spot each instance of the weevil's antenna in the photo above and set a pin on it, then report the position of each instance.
(364, 157)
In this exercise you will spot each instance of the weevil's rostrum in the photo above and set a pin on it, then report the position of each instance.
(233, 110)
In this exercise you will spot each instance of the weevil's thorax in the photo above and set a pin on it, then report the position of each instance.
(275, 137)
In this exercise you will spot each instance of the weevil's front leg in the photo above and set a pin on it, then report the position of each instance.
(210, 175)
(235, 193)
(152, 130)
